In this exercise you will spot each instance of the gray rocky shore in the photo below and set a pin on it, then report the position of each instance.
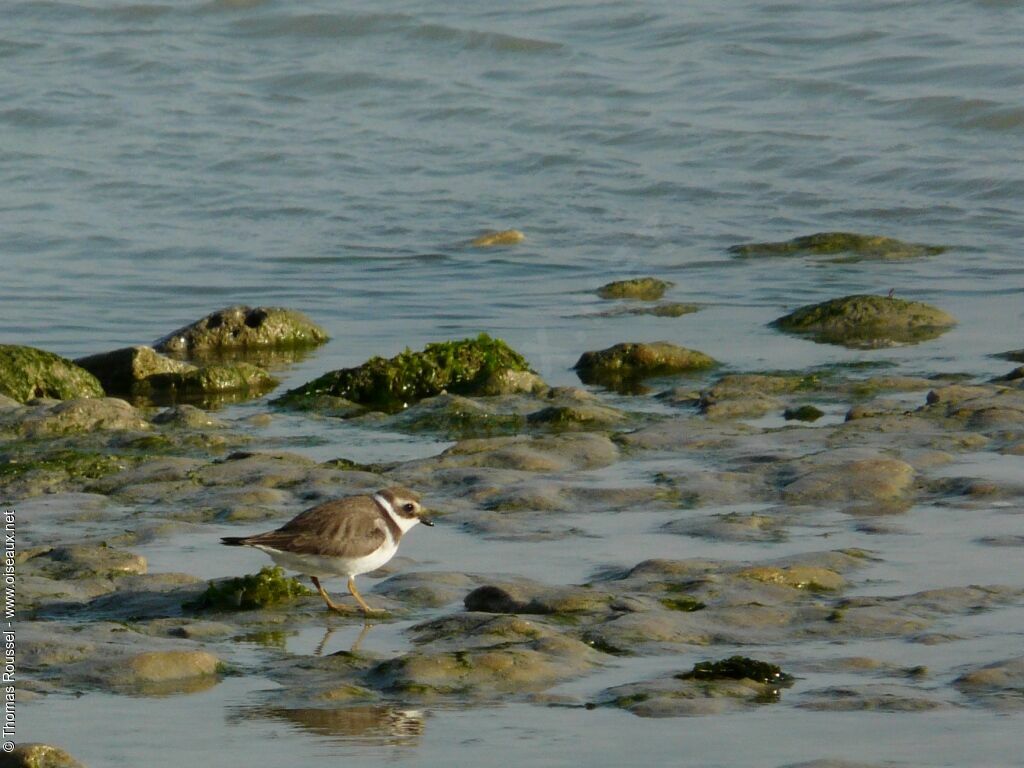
(96, 478)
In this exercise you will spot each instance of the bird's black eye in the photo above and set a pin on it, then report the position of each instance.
(409, 507)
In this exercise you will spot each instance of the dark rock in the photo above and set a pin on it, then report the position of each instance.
(243, 327)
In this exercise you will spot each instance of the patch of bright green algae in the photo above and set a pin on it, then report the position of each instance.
(260, 590)
(75, 464)
(27, 373)
(460, 367)
(857, 247)
(685, 604)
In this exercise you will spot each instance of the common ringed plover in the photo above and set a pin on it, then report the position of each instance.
(344, 537)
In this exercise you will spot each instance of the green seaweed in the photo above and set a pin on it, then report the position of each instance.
(738, 668)
(803, 413)
(460, 367)
(260, 590)
(685, 604)
(76, 464)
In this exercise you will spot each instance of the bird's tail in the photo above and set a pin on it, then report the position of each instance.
(234, 541)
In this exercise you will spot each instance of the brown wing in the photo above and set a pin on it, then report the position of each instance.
(350, 527)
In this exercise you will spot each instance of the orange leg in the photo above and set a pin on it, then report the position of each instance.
(359, 598)
(327, 598)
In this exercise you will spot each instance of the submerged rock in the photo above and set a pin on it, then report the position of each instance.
(151, 672)
(642, 288)
(857, 247)
(709, 688)
(867, 322)
(625, 363)
(999, 685)
(27, 373)
(504, 237)
(242, 327)
(465, 367)
(664, 309)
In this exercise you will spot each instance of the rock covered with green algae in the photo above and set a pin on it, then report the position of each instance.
(464, 367)
(241, 327)
(642, 288)
(36, 755)
(27, 373)
(118, 371)
(857, 247)
(867, 322)
(628, 362)
(261, 590)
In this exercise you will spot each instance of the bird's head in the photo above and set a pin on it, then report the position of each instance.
(406, 505)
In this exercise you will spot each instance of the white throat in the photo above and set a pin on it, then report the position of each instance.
(403, 523)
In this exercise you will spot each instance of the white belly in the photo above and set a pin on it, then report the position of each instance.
(324, 567)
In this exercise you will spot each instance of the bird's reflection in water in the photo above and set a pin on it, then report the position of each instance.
(362, 724)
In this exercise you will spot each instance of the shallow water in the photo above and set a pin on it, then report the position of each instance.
(161, 160)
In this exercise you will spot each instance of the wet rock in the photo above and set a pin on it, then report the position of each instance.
(623, 364)
(745, 384)
(811, 578)
(1014, 355)
(664, 309)
(432, 589)
(466, 367)
(642, 288)
(83, 415)
(738, 668)
(238, 377)
(243, 327)
(504, 237)
(27, 373)
(519, 667)
(508, 381)
(681, 696)
(867, 322)
(36, 755)
(731, 526)
(855, 246)
(55, 472)
(188, 417)
(531, 598)
(152, 672)
(871, 698)
(260, 590)
(999, 685)
(83, 561)
(124, 369)
(556, 453)
(873, 480)
(477, 630)
(453, 416)
(749, 407)
(577, 417)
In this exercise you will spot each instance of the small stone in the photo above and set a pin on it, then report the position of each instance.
(642, 288)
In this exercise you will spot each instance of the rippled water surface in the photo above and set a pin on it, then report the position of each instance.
(161, 160)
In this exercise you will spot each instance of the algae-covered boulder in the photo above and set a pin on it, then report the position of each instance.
(27, 373)
(866, 322)
(260, 590)
(38, 756)
(643, 288)
(243, 327)
(620, 365)
(661, 309)
(465, 367)
(237, 377)
(854, 246)
(504, 237)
